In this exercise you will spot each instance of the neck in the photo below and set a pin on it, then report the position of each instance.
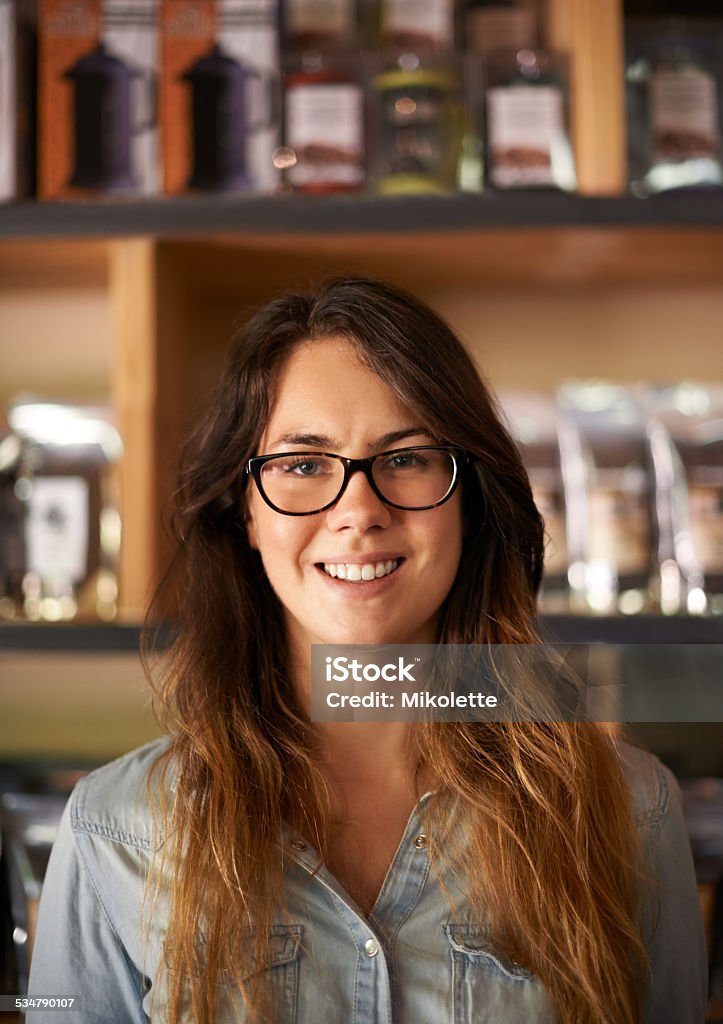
(357, 756)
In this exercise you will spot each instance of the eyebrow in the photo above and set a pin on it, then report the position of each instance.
(326, 443)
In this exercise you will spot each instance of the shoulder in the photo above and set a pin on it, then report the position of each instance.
(652, 786)
(112, 802)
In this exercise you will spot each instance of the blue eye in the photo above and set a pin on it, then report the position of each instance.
(302, 466)
(404, 460)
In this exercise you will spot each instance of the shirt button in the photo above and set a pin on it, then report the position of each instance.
(371, 948)
(420, 841)
(298, 844)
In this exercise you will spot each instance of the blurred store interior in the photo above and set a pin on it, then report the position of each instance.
(548, 174)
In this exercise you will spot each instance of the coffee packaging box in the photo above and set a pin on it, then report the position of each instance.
(17, 99)
(97, 124)
(219, 94)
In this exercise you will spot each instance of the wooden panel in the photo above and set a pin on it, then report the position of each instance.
(535, 339)
(182, 347)
(45, 265)
(55, 342)
(544, 257)
(660, 322)
(89, 706)
(164, 362)
(54, 328)
(591, 33)
(135, 388)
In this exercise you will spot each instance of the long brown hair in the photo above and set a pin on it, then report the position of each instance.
(542, 806)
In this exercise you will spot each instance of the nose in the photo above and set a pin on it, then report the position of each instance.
(359, 507)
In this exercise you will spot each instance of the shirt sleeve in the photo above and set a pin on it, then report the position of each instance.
(679, 988)
(77, 951)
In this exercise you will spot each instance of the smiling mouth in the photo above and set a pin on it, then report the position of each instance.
(355, 573)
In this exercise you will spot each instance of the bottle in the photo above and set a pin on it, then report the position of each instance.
(324, 136)
(527, 137)
(421, 26)
(683, 118)
(499, 25)
(328, 25)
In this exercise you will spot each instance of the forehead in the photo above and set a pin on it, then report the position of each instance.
(323, 386)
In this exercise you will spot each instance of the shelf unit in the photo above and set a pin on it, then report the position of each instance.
(142, 297)
(123, 638)
(539, 286)
(335, 215)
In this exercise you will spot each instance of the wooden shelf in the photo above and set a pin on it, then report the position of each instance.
(208, 216)
(566, 629)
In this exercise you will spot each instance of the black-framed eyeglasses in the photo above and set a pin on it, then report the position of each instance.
(412, 479)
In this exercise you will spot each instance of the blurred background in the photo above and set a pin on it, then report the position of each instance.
(548, 175)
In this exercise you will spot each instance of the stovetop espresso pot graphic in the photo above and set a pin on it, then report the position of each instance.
(104, 127)
(221, 106)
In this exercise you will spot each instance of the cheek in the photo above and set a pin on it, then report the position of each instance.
(278, 539)
(449, 546)
(451, 532)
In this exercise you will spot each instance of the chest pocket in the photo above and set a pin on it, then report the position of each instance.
(488, 987)
(280, 979)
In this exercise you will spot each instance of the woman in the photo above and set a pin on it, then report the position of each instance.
(259, 866)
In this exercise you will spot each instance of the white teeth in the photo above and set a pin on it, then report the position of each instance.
(355, 573)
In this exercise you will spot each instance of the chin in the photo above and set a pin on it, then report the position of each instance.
(380, 636)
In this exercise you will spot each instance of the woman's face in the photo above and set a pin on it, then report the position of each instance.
(327, 400)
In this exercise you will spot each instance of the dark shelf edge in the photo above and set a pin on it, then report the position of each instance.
(204, 216)
(81, 638)
(118, 639)
(637, 629)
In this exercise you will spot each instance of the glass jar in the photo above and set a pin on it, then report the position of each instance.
(67, 487)
(609, 462)
(688, 428)
(417, 118)
(533, 417)
(12, 545)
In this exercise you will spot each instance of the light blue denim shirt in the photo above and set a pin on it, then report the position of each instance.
(410, 962)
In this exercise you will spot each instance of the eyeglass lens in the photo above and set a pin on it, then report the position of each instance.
(306, 482)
